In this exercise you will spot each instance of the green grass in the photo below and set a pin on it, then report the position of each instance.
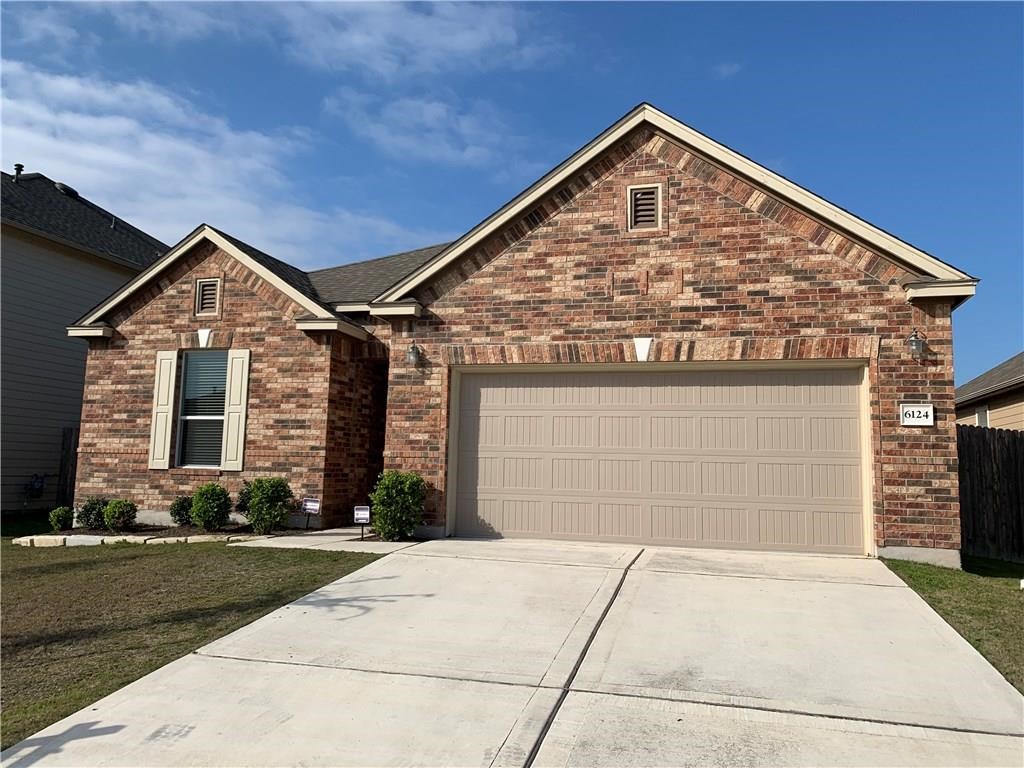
(81, 622)
(983, 602)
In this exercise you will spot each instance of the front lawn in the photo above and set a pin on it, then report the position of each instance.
(983, 602)
(81, 622)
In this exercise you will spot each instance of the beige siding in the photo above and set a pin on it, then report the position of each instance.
(44, 288)
(1004, 412)
(1007, 412)
(753, 459)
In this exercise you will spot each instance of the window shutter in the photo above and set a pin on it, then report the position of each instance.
(234, 409)
(163, 410)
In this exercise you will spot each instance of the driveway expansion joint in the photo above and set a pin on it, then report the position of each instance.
(772, 578)
(800, 712)
(567, 685)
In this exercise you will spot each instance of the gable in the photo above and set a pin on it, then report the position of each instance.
(740, 178)
(291, 282)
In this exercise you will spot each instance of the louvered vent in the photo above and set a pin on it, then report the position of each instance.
(643, 208)
(206, 297)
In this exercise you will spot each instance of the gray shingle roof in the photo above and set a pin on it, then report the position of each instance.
(294, 276)
(365, 280)
(1002, 377)
(36, 202)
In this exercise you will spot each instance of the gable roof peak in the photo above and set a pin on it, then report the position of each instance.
(763, 179)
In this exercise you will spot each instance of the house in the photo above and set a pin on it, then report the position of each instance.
(995, 398)
(659, 341)
(61, 255)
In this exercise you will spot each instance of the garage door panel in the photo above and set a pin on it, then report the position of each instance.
(740, 459)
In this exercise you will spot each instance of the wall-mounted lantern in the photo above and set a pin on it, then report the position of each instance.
(916, 345)
(414, 355)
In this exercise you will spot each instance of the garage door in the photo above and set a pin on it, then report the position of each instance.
(745, 459)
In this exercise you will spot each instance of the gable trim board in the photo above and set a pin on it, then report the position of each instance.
(718, 154)
(205, 232)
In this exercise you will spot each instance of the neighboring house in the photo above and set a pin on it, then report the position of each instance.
(61, 255)
(994, 399)
(660, 341)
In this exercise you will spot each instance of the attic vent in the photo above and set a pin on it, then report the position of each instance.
(207, 296)
(644, 207)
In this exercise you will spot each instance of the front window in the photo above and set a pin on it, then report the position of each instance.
(201, 424)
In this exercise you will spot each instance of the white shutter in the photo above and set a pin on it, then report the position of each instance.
(235, 402)
(163, 410)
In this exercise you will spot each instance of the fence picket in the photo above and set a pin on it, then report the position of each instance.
(991, 474)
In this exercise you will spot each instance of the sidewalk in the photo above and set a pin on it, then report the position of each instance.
(329, 540)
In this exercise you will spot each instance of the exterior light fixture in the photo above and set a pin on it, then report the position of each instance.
(414, 355)
(916, 344)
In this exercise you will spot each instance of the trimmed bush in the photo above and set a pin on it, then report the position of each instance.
(119, 514)
(268, 502)
(242, 502)
(62, 519)
(181, 510)
(211, 506)
(90, 514)
(398, 501)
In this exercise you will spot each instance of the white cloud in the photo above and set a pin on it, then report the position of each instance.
(383, 40)
(726, 70)
(424, 128)
(156, 160)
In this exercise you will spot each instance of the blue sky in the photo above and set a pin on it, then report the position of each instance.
(331, 132)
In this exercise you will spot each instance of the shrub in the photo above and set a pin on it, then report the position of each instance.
(119, 514)
(268, 501)
(90, 515)
(181, 510)
(397, 504)
(242, 502)
(211, 506)
(62, 519)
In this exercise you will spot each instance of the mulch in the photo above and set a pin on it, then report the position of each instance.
(159, 531)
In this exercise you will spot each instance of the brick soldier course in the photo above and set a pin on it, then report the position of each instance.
(736, 273)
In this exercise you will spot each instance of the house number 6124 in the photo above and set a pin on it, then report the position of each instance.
(917, 415)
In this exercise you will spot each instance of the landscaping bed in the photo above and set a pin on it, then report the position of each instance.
(983, 602)
(162, 531)
(81, 622)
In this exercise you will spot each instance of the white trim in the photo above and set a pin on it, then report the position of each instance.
(629, 208)
(770, 182)
(89, 331)
(352, 308)
(978, 412)
(395, 310)
(205, 232)
(216, 308)
(642, 344)
(941, 289)
(335, 324)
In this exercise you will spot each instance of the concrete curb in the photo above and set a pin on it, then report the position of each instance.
(87, 540)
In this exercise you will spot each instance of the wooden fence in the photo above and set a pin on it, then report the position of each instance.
(991, 492)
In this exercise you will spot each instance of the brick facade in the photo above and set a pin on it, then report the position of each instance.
(732, 275)
(315, 399)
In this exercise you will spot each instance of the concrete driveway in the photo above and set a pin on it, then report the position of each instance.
(512, 653)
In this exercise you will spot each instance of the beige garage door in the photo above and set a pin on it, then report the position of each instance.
(750, 459)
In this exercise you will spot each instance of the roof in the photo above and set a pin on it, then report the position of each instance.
(1007, 374)
(363, 281)
(294, 276)
(961, 285)
(42, 206)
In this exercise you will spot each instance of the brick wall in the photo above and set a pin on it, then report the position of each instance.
(732, 275)
(293, 376)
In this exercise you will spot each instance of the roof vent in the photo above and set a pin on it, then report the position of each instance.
(18, 168)
(64, 189)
